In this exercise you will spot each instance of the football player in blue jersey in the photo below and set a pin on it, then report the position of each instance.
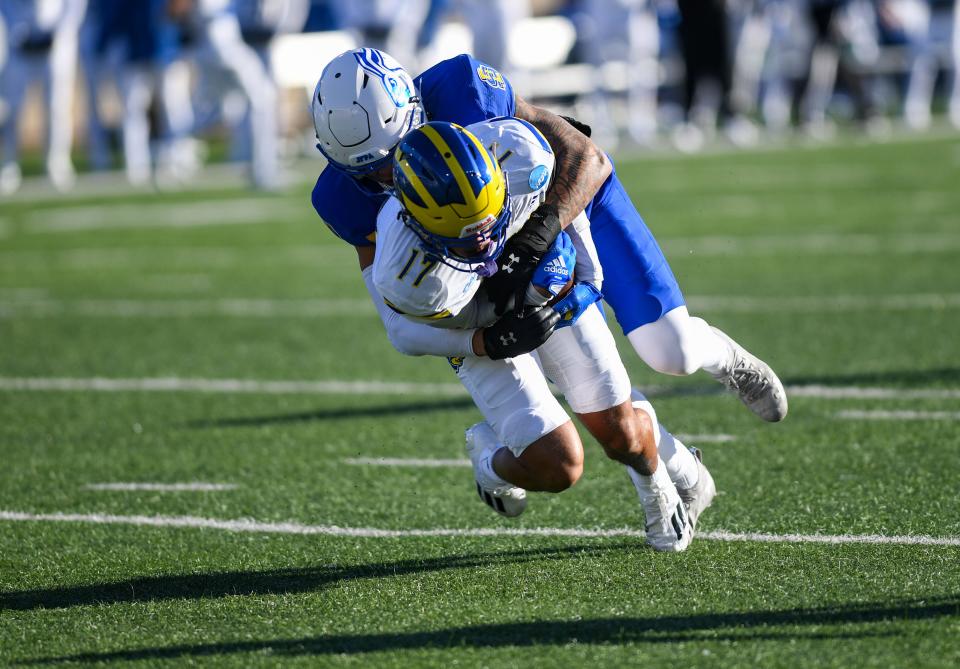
(365, 102)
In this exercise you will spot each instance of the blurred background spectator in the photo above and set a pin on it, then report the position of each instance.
(42, 37)
(162, 80)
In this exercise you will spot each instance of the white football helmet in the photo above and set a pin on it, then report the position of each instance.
(363, 105)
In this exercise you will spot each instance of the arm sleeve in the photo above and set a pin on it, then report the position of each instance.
(588, 262)
(417, 338)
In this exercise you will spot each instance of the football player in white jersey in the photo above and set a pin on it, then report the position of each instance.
(456, 208)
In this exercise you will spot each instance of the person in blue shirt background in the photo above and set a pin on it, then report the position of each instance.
(640, 285)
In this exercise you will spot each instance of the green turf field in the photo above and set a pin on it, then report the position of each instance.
(234, 344)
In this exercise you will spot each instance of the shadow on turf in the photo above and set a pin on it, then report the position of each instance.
(735, 626)
(908, 377)
(377, 411)
(276, 582)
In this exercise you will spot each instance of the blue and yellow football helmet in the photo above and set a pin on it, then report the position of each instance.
(455, 195)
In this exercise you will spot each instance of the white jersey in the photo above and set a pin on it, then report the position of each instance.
(433, 292)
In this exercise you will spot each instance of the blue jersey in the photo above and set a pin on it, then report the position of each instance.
(349, 206)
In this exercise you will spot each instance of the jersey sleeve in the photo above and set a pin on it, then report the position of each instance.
(465, 90)
(349, 212)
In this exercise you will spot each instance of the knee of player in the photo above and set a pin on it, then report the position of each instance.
(681, 358)
(564, 474)
(668, 350)
(628, 436)
(562, 465)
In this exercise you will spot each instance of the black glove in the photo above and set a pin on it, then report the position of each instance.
(520, 257)
(582, 127)
(513, 335)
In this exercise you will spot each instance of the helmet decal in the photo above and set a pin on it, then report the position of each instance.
(371, 61)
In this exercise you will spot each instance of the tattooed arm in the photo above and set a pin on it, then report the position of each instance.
(581, 166)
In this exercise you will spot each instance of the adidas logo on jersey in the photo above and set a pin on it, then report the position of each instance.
(557, 266)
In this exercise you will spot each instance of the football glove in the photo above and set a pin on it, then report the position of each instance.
(583, 128)
(520, 257)
(574, 303)
(556, 267)
(514, 335)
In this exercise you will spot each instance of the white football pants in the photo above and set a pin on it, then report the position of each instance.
(513, 394)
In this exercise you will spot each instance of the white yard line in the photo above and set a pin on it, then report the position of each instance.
(408, 462)
(819, 243)
(160, 215)
(194, 486)
(138, 257)
(249, 525)
(174, 384)
(253, 308)
(796, 304)
(705, 438)
(872, 393)
(322, 308)
(855, 414)
(374, 387)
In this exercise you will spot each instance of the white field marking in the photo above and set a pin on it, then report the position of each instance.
(24, 294)
(249, 525)
(787, 304)
(339, 387)
(855, 393)
(195, 486)
(161, 214)
(175, 283)
(822, 243)
(322, 308)
(706, 438)
(175, 384)
(244, 308)
(172, 257)
(408, 462)
(855, 414)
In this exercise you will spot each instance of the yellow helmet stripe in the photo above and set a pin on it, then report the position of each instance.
(456, 169)
(417, 186)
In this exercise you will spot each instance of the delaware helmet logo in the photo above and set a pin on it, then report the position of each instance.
(491, 77)
(456, 363)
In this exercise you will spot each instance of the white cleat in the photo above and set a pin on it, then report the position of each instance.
(61, 174)
(10, 178)
(504, 498)
(699, 496)
(668, 526)
(754, 382)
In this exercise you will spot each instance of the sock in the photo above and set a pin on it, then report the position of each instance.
(653, 484)
(486, 439)
(490, 477)
(679, 462)
(717, 354)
